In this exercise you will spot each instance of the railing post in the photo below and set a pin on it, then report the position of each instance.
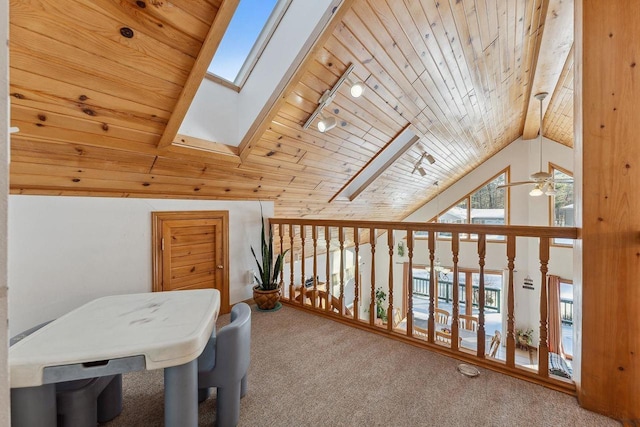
(482, 251)
(543, 348)
(511, 339)
(455, 249)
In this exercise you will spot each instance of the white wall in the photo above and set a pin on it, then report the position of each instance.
(65, 251)
(4, 185)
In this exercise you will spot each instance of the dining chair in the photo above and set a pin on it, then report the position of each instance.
(470, 323)
(443, 337)
(224, 364)
(441, 316)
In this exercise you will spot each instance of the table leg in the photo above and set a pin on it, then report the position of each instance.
(34, 406)
(181, 395)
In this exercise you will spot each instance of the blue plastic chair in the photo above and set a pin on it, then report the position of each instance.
(224, 364)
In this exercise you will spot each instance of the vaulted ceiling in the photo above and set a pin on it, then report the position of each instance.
(99, 88)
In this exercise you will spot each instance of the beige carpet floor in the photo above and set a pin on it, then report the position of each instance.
(310, 371)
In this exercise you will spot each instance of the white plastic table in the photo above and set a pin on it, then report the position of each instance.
(118, 334)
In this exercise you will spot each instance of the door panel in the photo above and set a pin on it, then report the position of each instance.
(191, 252)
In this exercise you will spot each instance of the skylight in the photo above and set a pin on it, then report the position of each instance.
(248, 33)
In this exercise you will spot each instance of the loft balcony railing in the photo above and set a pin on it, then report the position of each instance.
(351, 271)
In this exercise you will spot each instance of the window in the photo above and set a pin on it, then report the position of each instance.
(562, 203)
(485, 205)
(251, 27)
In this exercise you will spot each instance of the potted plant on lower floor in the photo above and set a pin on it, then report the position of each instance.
(266, 293)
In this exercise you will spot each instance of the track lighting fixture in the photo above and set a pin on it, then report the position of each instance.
(418, 166)
(356, 90)
(326, 124)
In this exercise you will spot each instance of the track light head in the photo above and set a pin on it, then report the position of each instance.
(326, 124)
(430, 159)
(357, 89)
(421, 171)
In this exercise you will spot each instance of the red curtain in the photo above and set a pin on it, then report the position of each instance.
(554, 322)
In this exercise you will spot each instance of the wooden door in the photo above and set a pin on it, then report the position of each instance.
(191, 252)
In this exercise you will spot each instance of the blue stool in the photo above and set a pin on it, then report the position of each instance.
(78, 403)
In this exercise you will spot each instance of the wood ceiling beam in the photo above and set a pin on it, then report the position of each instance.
(557, 39)
(209, 48)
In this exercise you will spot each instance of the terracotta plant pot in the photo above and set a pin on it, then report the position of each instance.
(266, 300)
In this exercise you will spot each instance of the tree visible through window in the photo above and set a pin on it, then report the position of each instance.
(485, 205)
(562, 211)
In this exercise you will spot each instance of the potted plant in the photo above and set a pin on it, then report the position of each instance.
(524, 337)
(381, 313)
(266, 293)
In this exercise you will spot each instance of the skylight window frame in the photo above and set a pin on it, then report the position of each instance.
(279, 10)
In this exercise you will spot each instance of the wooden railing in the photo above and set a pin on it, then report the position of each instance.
(361, 256)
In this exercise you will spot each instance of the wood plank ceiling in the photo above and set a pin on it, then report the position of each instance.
(95, 82)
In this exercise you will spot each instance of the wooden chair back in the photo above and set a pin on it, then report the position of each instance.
(470, 323)
(441, 316)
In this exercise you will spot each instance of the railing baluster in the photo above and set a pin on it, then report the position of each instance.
(327, 294)
(432, 286)
(281, 233)
(356, 291)
(482, 252)
(303, 288)
(511, 338)
(410, 287)
(455, 249)
(341, 240)
(292, 290)
(314, 237)
(391, 250)
(372, 305)
(543, 348)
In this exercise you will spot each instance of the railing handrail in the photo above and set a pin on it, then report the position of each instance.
(501, 230)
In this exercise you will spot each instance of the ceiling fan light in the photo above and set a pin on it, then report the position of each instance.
(551, 191)
(536, 191)
(357, 89)
(326, 124)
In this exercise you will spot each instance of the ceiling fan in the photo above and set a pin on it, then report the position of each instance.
(543, 181)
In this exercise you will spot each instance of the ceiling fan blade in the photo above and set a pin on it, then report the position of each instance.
(512, 184)
(561, 181)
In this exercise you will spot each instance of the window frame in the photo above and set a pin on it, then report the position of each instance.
(551, 168)
(467, 198)
(256, 51)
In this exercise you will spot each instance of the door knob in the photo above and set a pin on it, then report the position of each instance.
(220, 266)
